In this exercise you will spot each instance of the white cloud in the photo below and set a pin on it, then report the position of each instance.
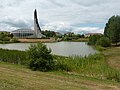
(58, 15)
(88, 30)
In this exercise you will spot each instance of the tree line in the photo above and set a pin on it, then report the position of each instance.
(111, 34)
(112, 29)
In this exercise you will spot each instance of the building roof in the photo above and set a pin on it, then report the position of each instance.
(23, 31)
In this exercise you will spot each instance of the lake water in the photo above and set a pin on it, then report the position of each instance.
(59, 48)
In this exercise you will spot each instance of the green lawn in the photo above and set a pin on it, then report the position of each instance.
(17, 77)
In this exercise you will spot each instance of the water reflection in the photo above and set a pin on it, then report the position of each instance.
(59, 48)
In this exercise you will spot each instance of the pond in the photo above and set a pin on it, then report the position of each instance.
(59, 48)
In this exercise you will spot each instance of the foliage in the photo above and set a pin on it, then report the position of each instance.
(15, 40)
(112, 29)
(104, 42)
(49, 34)
(71, 36)
(13, 56)
(93, 39)
(99, 40)
(100, 48)
(5, 37)
(91, 66)
(77, 63)
(40, 57)
(67, 38)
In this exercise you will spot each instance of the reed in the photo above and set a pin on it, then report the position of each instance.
(13, 56)
(91, 66)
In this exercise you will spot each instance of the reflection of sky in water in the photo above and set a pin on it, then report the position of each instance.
(60, 48)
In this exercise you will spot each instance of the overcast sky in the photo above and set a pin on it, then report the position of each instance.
(77, 16)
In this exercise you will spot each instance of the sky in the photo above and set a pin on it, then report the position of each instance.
(78, 16)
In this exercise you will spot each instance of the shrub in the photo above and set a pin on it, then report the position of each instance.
(93, 39)
(40, 57)
(100, 48)
(15, 40)
(104, 42)
(4, 37)
(77, 63)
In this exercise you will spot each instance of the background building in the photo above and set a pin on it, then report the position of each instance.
(28, 33)
(24, 33)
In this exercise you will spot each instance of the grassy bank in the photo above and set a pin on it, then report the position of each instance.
(13, 56)
(92, 66)
(17, 77)
(71, 73)
(37, 40)
(7, 42)
(113, 57)
(78, 40)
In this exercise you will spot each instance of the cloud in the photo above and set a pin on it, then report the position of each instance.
(88, 30)
(8, 3)
(15, 23)
(58, 15)
(58, 27)
(67, 27)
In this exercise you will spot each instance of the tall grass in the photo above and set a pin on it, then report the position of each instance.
(13, 56)
(91, 66)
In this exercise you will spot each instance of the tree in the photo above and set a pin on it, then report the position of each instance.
(93, 39)
(112, 29)
(104, 42)
(40, 57)
(49, 33)
(4, 37)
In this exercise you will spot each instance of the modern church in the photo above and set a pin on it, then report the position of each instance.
(28, 33)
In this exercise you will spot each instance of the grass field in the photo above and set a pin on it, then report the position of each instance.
(18, 77)
(113, 57)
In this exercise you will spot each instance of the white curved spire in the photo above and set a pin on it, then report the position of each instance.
(36, 26)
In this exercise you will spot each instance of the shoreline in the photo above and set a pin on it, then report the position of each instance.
(51, 40)
(36, 40)
(30, 41)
